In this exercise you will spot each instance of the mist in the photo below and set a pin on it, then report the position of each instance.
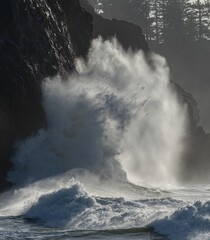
(118, 117)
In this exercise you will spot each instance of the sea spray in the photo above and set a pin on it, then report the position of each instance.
(117, 118)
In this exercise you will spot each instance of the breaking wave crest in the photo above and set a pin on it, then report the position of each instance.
(114, 128)
(191, 222)
(117, 117)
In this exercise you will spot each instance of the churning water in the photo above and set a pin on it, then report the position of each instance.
(114, 130)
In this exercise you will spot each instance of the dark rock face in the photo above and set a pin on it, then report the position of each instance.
(192, 106)
(37, 39)
(41, 38)
(196, 167)
(128, 34)
(195, 164)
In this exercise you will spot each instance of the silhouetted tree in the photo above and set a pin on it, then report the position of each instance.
(201, 12)
(161, 20)
(158, 11)
(191, 25)
(175, 19)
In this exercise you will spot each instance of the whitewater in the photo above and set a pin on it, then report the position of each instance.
(109, 162)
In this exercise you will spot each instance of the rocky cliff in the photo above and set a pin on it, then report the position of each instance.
(41, 38)
(195, 164)
(128, 34)
(37, 39)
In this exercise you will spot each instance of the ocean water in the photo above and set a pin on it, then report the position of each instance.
(109, 163)
(85, 213)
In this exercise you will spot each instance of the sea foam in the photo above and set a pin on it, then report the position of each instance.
(118, 117)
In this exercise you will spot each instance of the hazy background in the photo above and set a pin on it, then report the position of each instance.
(178, 30)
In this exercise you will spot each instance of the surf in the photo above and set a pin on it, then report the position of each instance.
(111, 152)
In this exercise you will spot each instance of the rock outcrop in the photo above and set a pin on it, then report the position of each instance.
(41, 38)
(128, 34)
(37, 39)
(195, 164)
